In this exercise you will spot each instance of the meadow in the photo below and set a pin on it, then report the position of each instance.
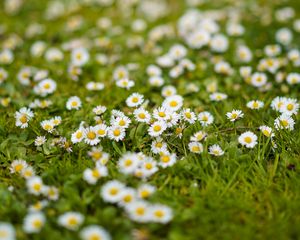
(149, 120)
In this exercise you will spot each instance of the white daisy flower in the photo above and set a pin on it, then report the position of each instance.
(111, 191)
(35, 185)
(205, 118)
(142, 115)
(198, 136)
(188, 115)
(116, 133)
(138, 211)
(145, 190)
(215, 150)
(284, 122)
(71, 220)
(73, 103)
(289, 107)
(17, 166)
(167, 160)
(267, 131)
(160, 213)
(91, 136)
(156, 81)
(47, 125)
(34, 222)
(23, 116)
(217, 96)
(173, 103)
(94, 232)
(7, 231)
(27, 172)
(255, 104)
(99, 110)
(128, 163)
(157, 128)
(127, 196)
(79, 56)
(248, 139)
(258, 79)
(168, 91)
(235, 115)
(93, 175)
(101, 130)
(195, 147)
(78, 136)
(125, 83)
(134, 100)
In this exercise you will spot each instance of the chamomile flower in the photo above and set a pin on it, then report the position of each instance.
(161, 114)
(198, 136)
(120, 73)
(17, 166)
(142, 115)
(79, 56)
(48, 126)
(215, 150)
(267, 131)
(27, 172)
(284, 122)
(258, 79)
(45, 87)
(173, 103)
(91, 136)
(235, 115)
(51, 193)
(148, 167)
(167, 160)
(195, 147)
(188, 116)
(125, 83)
(73, 103)
(127, 196)
(289, 107)
(116, 133)
(7, 231)
(156, 81)
(134, 100)
(23, 116)
(99, 110)
(158, 145)
(94, 86)
(255, 104)
(122, 122)
(93, 175)
(153, 70)
(71, 220)
(157, 128)
(145, 190)
(128, 163)
(38, 206)
(94, 232)
(160, 213)
(293, 78)
(34, 222)
(168, 91)
(277, 103)
(35, 185)
(205, 118)
(101, 130)
(39, 140)
(248, 139)
(78, 135)
(111, 191)
(217, 96)
(56, 120)
(138, 211)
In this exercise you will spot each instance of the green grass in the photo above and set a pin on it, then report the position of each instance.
(245, 194)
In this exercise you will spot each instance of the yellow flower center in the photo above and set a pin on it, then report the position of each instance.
(37, 187)
(91, 135)
(290, 107)
(72, 221)
(18, 167)
(113, 191)
(165, 158)
(78, 134)
(135, 99)
(142, 116)
(159, 213)
(37, 223)
(173, 103)
(148, 166)
(157, 128)
(140, 211)
(128, 162)
(248, 139)
(101, 132)
(117, 132)
(23, 119)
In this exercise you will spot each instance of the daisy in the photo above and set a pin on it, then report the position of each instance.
(284, 122)
(235, 115)
(125, 83)
(138, 211)
(23, 116)
(17, 166)
(79, 56)
(153, 70)
(56, 120)
(7, 231)
(205, 118)
(111, 191)
(158, 145)
(215, 150)
(127, 196)
(156, 81)
(78, 136)
(173, 103)
(45, 87)
(198, 136)
(47, 125)
(35, 185)
(255, 104)
(120, 73)
(277, 103)
(161, 113)
(38, 206)
(188, 116)
(134, 100)
(157, 128)
(167, 160)
(73, 103)
(248, 139)
(94, 86)
(51, 193)
(116, 133)
(148, 167)
(122, 122)
(34, 222)
(145, 190)
(71, 220)
(142, 115)
(160, 213)
(39, 140)
(168, 91)
(93, 175)
(94, 232)
(258, 79)
(289, 107)
(99, 110)
(102, 130)
(128, 163)
(91, 136)
(195, 147)
(177, 51)
(27, 172)
(293, 78)
(217, 97)
(267, 131)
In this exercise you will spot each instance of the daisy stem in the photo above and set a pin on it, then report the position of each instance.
(135, 131)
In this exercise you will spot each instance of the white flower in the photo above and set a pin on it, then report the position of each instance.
(277, 103)
(122, 122)
(77, 136)
(198, 136)
(205, 118)
(79, 56)
(258, 79)
(3, 75)
(235, 115)
(54, 55)
(111, 191)
(145, 190)
(120, 73)
(173, 103)
(138, 211)
(267, 131)
(219, 43)
(198, 39)
(27, 172)
(128, 163)
(125, 83)
(167, 160)
(217, 96)
(99, 110)
(51, 192)
(73, 103)
(127, 196)
(116, 133)
(23, 116)
(195, 147)
(93, 175)
(17, 166)
(94, 232)
(35, 185)
(148, 167)
(91, 136)
(244, 54)
(188, 115)
(168, 91)
(134, 100)
(215, 150)
(158, 145)
(71, 220)
(102, 130)
(94, 86)
(289, 107)
(160, 213)
(141, 115)
(153, 70)
(284, 122)
(34, 222)
(156, 81)
(7, 231)
(248, 139)
(45, 87)
(284, 36)
(255, 104)
(48, 126)
(293, 78)
(157, 128)
(177, 52)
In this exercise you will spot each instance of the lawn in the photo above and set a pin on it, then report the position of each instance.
(150, 119)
